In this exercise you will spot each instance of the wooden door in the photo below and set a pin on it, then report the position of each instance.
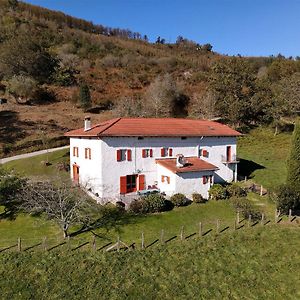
(228, 153)
(76, 174)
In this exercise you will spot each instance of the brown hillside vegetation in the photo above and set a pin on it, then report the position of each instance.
(126, 76)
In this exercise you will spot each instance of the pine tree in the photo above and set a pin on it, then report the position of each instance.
(85, 97)
(293, 166)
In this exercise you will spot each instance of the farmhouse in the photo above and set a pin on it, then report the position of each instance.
(135, 155)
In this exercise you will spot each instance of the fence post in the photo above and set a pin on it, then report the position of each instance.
(262, 219)
(162, 237)
(249, 220)
(118, 244)
(290, 215)
(94, 243)
(19, 244)
(234, 224)
(143, 241)
(238, 217)
(261, 190)
(218, 226)
(275, 217)
(200, 229)
(44, 244)
(181, 233)
(245, 178)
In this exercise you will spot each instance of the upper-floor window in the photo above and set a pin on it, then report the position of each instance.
(166, 152)
(75, 152)
(147, 153)
(87, 153)
(165, 179)
(203, 152)
(123, 154)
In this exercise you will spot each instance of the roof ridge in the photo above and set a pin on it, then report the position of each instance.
(110, 125)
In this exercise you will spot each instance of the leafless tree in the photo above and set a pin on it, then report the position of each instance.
(58, 201)
(203, 106)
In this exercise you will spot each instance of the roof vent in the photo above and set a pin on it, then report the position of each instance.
(180, 161)
(87, 123)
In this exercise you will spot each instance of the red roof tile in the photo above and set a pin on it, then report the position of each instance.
(155, 127)
(193, 164)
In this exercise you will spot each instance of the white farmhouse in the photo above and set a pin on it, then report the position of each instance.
(132, 155)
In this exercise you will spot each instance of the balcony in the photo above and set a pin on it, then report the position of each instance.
(233, 159)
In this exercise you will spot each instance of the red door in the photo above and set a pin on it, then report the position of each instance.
(228, 153)
(76, 174)
(141, 182)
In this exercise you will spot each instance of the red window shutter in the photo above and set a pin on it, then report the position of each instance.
(151, 153)
(123, 185)
(85, 152)
(162, 178)
(90, 153)
(129, 154)
(168, 179)
(144, 153)
(170, 151)
(204, 153)
(204, 179)
(210, 179)
(119, 155)
(162, 152)
(73, 151)
(141, 182)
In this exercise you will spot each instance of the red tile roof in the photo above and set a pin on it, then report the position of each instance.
(193, 164)
(155, 127)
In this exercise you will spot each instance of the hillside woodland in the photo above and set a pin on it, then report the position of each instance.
(54, 69)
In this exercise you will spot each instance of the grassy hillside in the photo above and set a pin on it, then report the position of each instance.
(248, 264)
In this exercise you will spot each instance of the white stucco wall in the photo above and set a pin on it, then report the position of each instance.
(102, 173)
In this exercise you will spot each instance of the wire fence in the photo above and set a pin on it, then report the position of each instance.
(97, 242)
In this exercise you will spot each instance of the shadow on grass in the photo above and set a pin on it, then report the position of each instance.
(224, 229)
(247, 167)
(171, 239)
(189, 236)
(207, 232)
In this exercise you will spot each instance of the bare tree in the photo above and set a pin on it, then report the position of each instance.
(203, 106)
(128, 107)
(59, 201)
(161, 96)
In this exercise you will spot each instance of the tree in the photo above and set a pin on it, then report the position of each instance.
(128, 107)
(58, 201)
(233, 83)
(25, 55)
(293, 165)
(207, 47)
(203, 106)
(23, 87)
(85, 97)
(10, 183)
(161, 96)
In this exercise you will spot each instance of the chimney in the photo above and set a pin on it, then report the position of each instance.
(87, 123)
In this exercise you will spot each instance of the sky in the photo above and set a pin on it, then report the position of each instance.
(246, 27)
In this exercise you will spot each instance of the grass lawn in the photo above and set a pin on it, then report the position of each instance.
(34, 166)
(253, 263)
(264, 156)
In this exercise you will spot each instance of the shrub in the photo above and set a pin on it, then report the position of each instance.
(287, 197)
(179, 200)
(217, 192)
(234, 190)
(197, 198)
(150, 204)
(244, 206)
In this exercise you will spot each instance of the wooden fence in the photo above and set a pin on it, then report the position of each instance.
(202, 229)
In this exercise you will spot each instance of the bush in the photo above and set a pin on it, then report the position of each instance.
(217, 192)
(179, 200)
(234, 190)
(197, 198)
(287, 197)
(150, 204)
(244, 206)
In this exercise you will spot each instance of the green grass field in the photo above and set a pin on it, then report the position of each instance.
(265, 156)
(254, 263)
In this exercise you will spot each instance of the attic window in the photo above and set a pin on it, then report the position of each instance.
(183, 137)
(140, 138)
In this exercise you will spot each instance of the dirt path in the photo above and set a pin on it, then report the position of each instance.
(26, 155)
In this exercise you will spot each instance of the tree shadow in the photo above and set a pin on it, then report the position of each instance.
(247, 167)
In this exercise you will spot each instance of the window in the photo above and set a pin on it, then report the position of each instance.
(87, 153)
(203, 152)
(228, 153)
(147, 153)
(165, 179)
(124, 154)
(166, 152)
(183, 137)
(206, 179)
(75, 151)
